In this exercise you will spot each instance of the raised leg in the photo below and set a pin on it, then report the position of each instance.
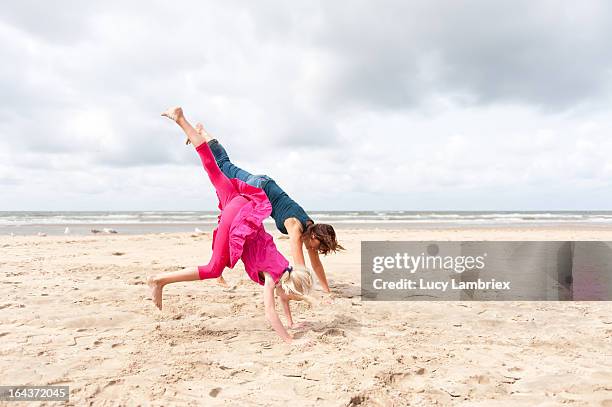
(176, 114)
(202, 132)
(225, 189)
(214, 268)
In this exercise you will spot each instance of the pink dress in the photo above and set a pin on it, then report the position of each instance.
(240, 233)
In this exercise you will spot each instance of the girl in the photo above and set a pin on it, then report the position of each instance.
(289, 216)
(240, 234)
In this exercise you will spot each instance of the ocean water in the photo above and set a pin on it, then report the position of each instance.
(134, 222)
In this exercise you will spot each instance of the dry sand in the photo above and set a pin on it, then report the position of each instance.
(75, 311)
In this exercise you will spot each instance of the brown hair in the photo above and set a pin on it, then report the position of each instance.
(326, 235)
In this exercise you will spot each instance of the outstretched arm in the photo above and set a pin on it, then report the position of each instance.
(294, 229)
(284, 299)
(317, 267)
(271, 315)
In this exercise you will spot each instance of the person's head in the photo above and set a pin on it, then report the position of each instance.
(322, 238)
(297, 280)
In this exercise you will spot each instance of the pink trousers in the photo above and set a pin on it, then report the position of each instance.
(231, 203)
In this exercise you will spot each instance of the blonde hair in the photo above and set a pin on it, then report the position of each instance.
(297, 281)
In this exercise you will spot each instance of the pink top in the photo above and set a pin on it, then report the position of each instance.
(249, 240)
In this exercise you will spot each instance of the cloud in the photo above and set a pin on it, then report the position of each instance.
(399, 54)
(427, 104)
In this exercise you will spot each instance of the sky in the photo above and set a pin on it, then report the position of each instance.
(348, 105)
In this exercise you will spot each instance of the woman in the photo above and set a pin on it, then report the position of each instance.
(290, 218)
(240, 235)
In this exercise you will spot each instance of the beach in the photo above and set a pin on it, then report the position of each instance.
(76, 311)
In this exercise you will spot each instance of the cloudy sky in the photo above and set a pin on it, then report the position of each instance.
(442, 105)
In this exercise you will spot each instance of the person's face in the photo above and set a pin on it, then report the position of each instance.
(313, 243)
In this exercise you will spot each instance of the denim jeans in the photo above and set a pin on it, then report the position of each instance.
(232, 171)
(283, 207)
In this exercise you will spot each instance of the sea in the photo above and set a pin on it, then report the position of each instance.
(139, 222)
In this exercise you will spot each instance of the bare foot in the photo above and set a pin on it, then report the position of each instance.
(222, 282)
(174, 113)
(156, 291)
(202, 132)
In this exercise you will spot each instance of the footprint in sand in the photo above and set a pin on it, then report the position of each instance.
(479, 379)
(333, 332)
(392, 378)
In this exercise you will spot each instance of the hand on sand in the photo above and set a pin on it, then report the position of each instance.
(156, 292)
(301, 325)
(173, 113)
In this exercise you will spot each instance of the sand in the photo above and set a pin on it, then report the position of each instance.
(76, 311)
